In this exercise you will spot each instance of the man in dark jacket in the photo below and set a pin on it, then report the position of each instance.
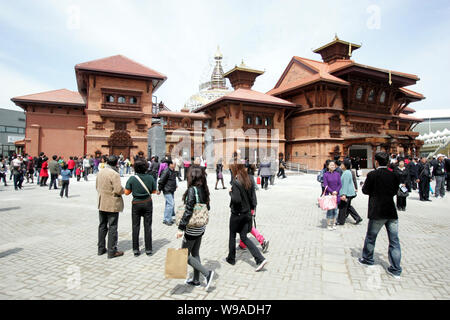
(54, 169)
(381, 186)
(447, 169)
(168, 184)
(439, 175)
(424, 179)
(413, 168)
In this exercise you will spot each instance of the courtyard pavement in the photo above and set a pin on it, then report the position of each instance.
(48, 249)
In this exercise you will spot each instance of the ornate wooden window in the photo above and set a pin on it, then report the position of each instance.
(120, 139)
(335, 126)
(359, 93)
(133, 100)
(258, 120)
(371, 97)
(221, 122)
(121, 99)
(383, 97)
(120, 125)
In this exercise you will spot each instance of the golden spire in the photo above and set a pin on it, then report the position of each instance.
(335, 36)
(349, 49)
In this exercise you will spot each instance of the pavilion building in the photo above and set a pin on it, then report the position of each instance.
(110, 113)
(345, 108)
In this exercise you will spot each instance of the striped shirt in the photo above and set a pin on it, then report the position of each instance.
(196, 231)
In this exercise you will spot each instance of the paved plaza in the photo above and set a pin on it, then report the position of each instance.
(48, 249)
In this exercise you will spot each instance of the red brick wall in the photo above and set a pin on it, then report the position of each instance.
(55, 133)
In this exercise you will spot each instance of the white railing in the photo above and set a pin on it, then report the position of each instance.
(439, 148)
(298, 167)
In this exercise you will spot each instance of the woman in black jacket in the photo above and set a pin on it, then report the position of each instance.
(197, 187)
(243, 200)
(405, 181)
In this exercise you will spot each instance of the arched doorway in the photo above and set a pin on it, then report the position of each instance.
(120, 142)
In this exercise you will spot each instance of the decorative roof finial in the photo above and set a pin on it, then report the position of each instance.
(218, 54)
(242, 63)
(335, 36)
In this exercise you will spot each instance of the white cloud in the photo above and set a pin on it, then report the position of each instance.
(15, 84)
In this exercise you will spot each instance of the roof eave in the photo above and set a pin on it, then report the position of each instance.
(259, 102)
(307, 84)
(62, 103)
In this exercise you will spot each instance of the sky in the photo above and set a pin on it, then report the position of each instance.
(43, 40)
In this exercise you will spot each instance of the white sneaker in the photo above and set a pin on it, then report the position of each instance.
(334, 227)
(330, 228)
(261, 265)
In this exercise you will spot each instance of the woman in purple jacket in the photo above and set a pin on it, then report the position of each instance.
(332, 183)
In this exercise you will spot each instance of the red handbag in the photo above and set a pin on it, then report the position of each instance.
(258, 180)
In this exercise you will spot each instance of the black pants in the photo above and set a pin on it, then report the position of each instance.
(448, 181)
(424, 189)
(265, 182)
(64, 188)
(281, 173)
(108, 225)
(185, 172)
(240, 224)
(44, 181)
(53, 179)
(3, 177)
(193, 246)
(18, 179)
(346, 208)
(144, 210)
(401, 202)
(86, 173)
(178, 175)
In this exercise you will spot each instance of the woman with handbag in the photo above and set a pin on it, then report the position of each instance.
(243, 201)
(332, 184)
(196, 195)
(219, 173)
(405, 184)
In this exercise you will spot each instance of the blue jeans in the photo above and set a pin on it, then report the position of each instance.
(169, 210)
(331, 214)
(121, 171)
(394, 252)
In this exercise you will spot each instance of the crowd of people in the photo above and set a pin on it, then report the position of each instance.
(153, 178)
(395, 176)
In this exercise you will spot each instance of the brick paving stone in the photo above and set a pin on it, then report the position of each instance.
(306, 261)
